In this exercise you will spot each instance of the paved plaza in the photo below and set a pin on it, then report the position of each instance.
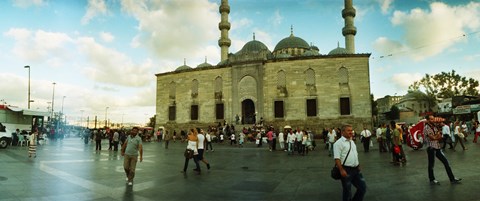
(69, 170)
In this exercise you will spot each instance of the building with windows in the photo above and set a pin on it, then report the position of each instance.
(292, 85)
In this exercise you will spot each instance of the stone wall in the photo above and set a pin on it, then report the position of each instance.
(327, 90)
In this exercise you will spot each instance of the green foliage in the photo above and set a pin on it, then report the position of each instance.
(446, 85)
(394, 113)
(374, 105)
(151, 123)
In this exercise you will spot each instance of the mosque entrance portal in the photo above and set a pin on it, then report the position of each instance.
(248, 112)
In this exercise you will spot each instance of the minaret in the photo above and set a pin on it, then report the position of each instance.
(349, 30)
(224, 42)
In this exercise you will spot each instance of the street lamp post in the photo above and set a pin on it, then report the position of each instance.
(81, 118)
(106, 109)
(53, 99)
(28, 85)
(63, 99)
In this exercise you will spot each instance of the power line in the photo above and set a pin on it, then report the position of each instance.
(426, 45)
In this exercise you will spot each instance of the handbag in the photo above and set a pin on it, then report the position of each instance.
(335, 172)
(188, 153)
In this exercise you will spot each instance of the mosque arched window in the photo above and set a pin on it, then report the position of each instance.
(281, 79)
(218, 84)
(343, 75)
(172, 90)
(194, 88)
(310, 77)
(218, 88)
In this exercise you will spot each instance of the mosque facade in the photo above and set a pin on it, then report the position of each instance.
(292, 85)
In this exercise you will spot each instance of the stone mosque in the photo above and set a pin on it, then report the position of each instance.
(293, 85)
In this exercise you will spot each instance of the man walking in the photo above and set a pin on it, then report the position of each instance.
(447, 137)
(345, 152)
(432, 136)
(366, 135)
(130, 150)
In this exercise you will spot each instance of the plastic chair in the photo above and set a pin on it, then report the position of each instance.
(22, 140)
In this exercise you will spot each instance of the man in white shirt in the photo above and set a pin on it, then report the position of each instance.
(281, 140)
(366, 135)
(332, 137)
(378, 133)
(447, 137)
(346, 159)
(208, 138)
(201, 146)
(299, 138)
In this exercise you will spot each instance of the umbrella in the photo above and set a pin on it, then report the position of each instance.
(287, 127)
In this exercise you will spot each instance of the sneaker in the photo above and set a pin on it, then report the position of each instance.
(208, 166)
(126, 179)
(456, 181)
(434, 182)
(130, 183)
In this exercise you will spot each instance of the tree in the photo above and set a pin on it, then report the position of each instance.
(394, 113)
(446, 85)
(151, 123)
(374, 105)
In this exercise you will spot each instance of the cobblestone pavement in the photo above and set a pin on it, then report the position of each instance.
(70, 170)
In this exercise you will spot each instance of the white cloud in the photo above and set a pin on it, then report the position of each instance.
(111, 66)
(387, 47)
(401, 81)
(430, 32)
(472, 57)
(94, 8)
(107, 37)
(173, 34)
(40, 46)
(28, 3)
(276, 19)
(385, 5)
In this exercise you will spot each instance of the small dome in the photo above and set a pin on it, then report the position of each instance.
(204, 64)
(282, 56)
(338, 51)
(313, 47)
(291, 42)
(224, 62)
(253, 46)
(183, 67)
(310, 53)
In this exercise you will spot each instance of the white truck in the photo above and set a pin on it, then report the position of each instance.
(5, 136)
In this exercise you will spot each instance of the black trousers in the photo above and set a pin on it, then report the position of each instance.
(195, 159)
(366, 144)
(447, 140)
(98, 144)
(432, 153)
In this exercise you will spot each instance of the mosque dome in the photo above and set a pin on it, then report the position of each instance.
(254, 47)
(313, 47)
(204, 64)
(282, 56)
(224, 62)
(183, 67)
(291, 42)
(310, 53)
(339, 51)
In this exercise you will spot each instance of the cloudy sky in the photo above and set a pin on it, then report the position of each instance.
(105, 53)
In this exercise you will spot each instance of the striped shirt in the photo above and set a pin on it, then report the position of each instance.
(429, 130)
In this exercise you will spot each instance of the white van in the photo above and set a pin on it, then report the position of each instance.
(5, 136)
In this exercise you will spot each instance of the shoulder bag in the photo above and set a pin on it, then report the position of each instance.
(335, 173)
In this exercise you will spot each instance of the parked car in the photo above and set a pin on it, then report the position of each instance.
(5, 137)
